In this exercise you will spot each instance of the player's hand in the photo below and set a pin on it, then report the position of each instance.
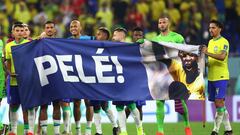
(43, 35)
(204, 49)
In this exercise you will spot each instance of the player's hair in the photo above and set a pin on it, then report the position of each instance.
(138, 29)
(165, 15)
(120, 29)
(105, 30)
(217, 23)
(49, 22)
(17, 24)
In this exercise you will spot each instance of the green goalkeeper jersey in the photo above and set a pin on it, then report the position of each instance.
(171, 37)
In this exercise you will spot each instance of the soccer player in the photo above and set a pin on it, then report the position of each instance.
(76, 29)
(119, 35)
(103, 34)
(14, 99)
(27, 32)
(136, 35)
(50, 32)
(218, 75)
(180, 105)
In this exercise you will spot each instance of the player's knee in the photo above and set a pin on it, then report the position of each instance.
(120, 108)
(177, 90)
(132, 106)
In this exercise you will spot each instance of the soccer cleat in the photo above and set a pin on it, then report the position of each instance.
(29, 133)
(115, 130)
(139, 131)
(214, 133)
(188, 131)
(228, 132)
(158, 133)
(98, 134)
(11, 133)
(123, 133)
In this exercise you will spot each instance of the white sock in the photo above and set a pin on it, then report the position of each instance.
(226, 122)
(89, 124)
(13, 121)
(136, 117)
(111, 117)
(88, 127)
(43, 124)
(122, 121)
(78, 126)
(56, 124)
(31, 119)
(218, 121)
(66, 119)
(97, 121)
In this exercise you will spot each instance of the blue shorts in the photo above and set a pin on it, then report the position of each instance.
(97, 102)
(122, 102)
(140, 103)
(13, 96)
(217, 89)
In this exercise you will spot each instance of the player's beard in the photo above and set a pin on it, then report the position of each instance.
(192, 74)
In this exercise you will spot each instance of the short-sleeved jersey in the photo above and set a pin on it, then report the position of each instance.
(217, 69)
(8, 56)
(195, 88)
(171, 37)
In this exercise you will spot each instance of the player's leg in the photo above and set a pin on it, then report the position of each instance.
(25, 121)
(136, 116)
(43, 118)
(31, 120)
(89, 117)
(109, 113)
(66, 115)
(121, 117)
(56, 117)
(77, 115)
(160, 116)
(221, 115)
(181, 108)
(127, 111)
(97, 115)
(14, 102)
(13, 118)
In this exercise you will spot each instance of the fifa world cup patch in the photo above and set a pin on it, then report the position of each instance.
(225, 47)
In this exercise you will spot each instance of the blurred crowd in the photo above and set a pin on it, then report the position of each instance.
(189, 17)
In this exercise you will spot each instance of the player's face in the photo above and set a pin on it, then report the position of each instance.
(118, 36)
(26, 32)
(75, 28)
(18, 32)
(100, 35)
(188, 60)
(137, 35)
(163, 24)
(214, 30)
(50, 29)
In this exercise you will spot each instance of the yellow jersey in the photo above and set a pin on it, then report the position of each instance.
(217, 69)
(196, 88)
(8, 51)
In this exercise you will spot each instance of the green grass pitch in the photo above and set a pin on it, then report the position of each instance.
(151, 128)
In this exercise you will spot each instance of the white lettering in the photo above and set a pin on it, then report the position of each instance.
(43, 73)
(65, 69)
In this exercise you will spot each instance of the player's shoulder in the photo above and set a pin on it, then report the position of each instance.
(224, 40)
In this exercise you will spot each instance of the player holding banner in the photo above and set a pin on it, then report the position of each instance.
(180, 105)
